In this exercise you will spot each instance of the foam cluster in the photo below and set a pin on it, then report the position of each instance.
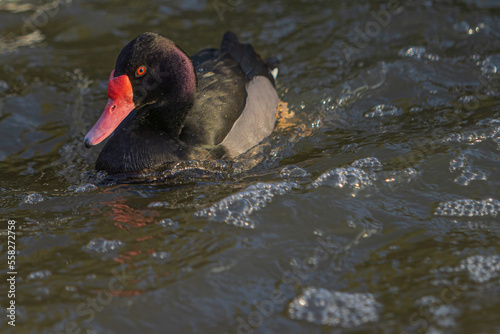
(368, 163)
(467, 175)
(468, 208)
(383, 110)
(293, 172)
(235, 209)
(418, 52)
(475, 136)
(333, 308)
(481, 268)
(357, 176)
(442, 315)
(101, 246)
(33, 198)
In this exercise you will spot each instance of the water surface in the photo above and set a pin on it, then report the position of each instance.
(373, 209)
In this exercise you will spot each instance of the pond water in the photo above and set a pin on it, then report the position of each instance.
(373, 208)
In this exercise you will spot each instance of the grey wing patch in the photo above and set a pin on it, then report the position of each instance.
(257, 118)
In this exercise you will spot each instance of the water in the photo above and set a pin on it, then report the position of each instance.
(373, 208)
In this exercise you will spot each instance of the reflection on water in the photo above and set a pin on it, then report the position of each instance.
(373, 207)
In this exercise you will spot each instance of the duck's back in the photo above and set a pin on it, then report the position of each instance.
(236, 101)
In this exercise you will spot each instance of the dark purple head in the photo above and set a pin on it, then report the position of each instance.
(150, 70)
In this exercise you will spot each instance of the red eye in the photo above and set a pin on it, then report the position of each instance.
(140, 71)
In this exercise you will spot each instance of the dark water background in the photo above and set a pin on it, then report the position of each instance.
(375, 211)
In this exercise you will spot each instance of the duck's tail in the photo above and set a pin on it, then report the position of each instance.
(251, 63)
(272, 64)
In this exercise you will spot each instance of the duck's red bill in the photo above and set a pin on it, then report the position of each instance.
(120, 104)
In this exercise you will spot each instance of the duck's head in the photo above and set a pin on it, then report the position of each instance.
(150, 70)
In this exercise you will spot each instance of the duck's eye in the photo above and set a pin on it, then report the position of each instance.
(140, 71)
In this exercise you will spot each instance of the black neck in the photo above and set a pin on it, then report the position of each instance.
(166, 117)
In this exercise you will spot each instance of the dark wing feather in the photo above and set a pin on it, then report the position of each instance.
(223, 76)
(220, 98)
(251, 62)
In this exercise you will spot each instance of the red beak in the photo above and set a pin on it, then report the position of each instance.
(120, 104)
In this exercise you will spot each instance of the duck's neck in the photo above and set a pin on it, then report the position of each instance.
(168, 117)
(185, 77)
(177, 94)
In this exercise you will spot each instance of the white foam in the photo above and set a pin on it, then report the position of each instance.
(33, 198)
(333, 308)
(39, 274)
(482, 268)
(440, 314)
(101, 246)
(368, 163)
(345, 177)
(417, 52)
(236, 209)
(359, 175)
(468, 208)
(293, 172)
(383, 110)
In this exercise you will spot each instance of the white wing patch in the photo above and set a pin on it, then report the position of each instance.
(274, 73)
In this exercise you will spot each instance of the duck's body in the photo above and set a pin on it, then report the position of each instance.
(166, 107)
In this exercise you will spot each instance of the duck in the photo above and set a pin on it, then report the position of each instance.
(165, 107)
